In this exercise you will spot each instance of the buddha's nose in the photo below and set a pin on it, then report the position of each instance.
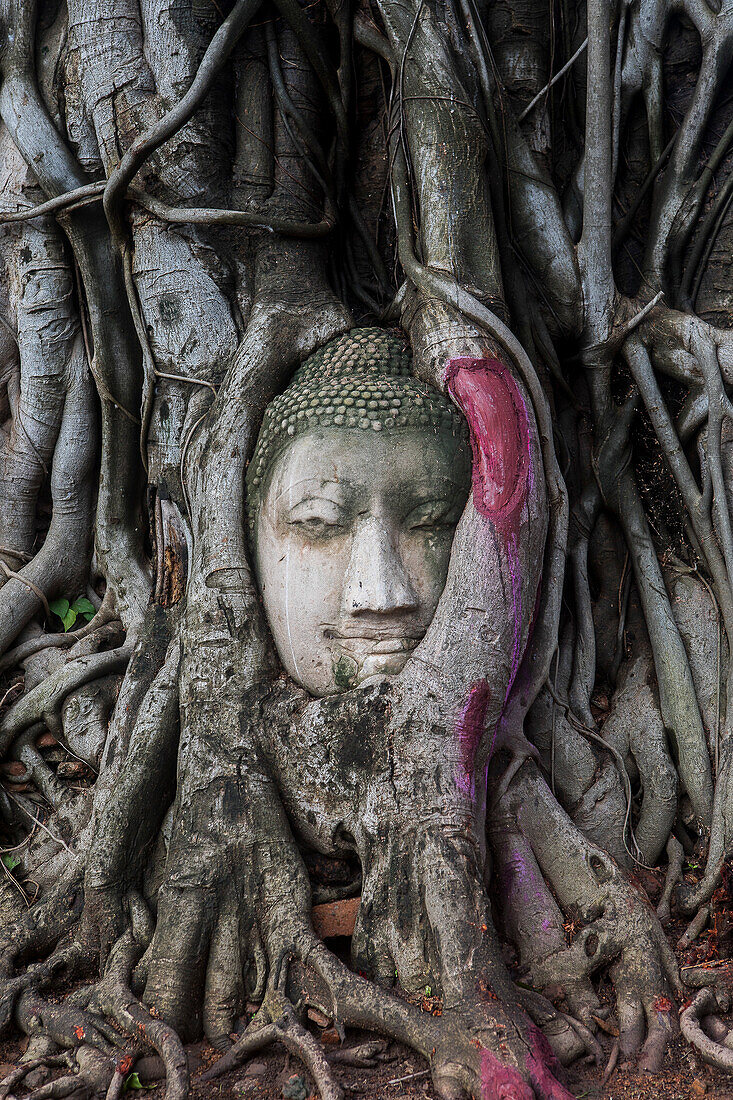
(376, 579)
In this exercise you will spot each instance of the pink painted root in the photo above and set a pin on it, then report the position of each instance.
(470, 729)
(500, 440)
(543, 1068)
(502, 478)
(500, 1082)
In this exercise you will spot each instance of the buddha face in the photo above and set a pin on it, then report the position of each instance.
(352, 541)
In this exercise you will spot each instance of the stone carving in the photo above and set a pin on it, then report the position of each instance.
(358, 479)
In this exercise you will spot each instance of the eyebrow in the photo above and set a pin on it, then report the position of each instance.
(312, 488)
(319, 485)
(433, 485)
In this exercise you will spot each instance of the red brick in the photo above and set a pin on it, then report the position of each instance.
(335, 918)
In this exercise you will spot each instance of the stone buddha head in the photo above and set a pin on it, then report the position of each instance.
(354, 490)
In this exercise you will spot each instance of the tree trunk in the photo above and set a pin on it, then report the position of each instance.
(211, 215)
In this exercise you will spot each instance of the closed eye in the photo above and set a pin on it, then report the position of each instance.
(433, 515)
(315, 516)
(315, 525)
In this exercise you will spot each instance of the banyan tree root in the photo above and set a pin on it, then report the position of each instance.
(705, 1031)
(91, 1076)
(463, 1052)
(612, 923)
(675, 853)
(18, 1076)
(203, 715)
(215, 917)
(284, 1028)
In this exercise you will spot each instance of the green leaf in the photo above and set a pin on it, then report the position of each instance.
(132, 1081)
(11, 862)
(68, 619)
(60, 607)
(83, 606)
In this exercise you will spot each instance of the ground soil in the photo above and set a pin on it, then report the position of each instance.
(683, 1077)
(273, 1074)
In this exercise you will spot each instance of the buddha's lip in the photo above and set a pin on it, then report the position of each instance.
(383, 641)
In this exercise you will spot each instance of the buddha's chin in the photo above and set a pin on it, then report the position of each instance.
(350, 669)
(382, 664)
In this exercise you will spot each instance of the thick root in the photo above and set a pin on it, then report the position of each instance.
(716, 1049)
(613, 925)
(116, 999)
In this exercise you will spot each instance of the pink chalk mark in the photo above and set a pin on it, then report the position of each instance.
(543, 1066)
(500, 1082)
(470, 728)
(499, 425)
(502, 466)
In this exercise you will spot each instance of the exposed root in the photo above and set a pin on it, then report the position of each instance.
(116, 1086)
(592, 1046)
(568, 1037)
(694, 928)
(676, 855)
(90, 1080)
(51, 1061)
(613, 925)
(712, 1051)
(364, 1055)
(283, 1027)
(232, 894)
(35, 934)
(102, 618)
(50, 694)
(66, 1025)
(253, 1040)
(611, 1064)
(116, 999)
(711, 974)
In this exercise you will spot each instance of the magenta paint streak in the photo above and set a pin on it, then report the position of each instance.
(502, 467)
(470, 728)
(500, 1082)
(543, 1068)
(497, 418)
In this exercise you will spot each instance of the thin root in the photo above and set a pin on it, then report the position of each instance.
(611, 1064)
(51, 1061)
(675, 854)
(694, 928)
(288, 1031)
(714, 1053)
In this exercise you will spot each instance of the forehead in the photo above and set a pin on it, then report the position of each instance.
(363, 458)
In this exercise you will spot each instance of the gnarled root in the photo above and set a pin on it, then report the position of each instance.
(612, 925)
(253, 900)
(704, 1030)
(285, 1028)
(116, 999)
(90, 1079)
(26, 1069)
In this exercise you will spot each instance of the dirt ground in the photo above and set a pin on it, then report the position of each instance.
(274, 1075)
(399, 1072)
